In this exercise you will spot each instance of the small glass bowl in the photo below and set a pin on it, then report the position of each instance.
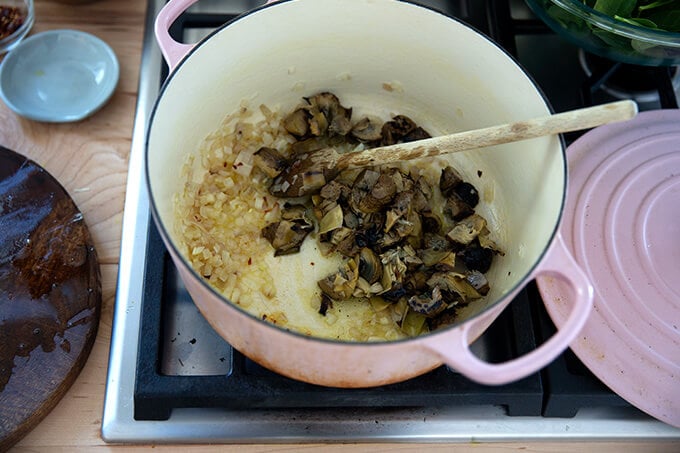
(607, 37)
(25, 8)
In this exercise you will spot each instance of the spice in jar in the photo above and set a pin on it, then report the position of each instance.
(11, 18)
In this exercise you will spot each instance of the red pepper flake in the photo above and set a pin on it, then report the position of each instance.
(11, 18)
(250, 261)
(265, 205)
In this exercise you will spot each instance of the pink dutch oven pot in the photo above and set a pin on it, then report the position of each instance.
(450, 78)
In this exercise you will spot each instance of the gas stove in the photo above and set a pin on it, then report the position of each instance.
(173, 379)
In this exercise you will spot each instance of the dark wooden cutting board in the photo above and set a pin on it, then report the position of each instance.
(50, 294)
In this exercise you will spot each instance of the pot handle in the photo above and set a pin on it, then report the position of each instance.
(172, 51)
(559, 263)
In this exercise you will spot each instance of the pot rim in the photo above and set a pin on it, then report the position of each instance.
(521, 283)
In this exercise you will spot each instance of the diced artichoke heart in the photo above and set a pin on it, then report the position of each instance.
(313, 179)
(465, 231)
(332, 220)
(379, 304)
(413, 323)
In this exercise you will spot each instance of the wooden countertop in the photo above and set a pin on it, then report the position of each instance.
(90, 158)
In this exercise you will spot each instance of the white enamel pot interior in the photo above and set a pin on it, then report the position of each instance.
(441, 73)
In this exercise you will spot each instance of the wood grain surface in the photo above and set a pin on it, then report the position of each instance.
(89, 158)
(50, 294)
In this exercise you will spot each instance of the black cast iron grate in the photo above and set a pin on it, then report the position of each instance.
(249, 386)
(560, 390)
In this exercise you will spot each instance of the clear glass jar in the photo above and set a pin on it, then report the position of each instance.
(16, 20)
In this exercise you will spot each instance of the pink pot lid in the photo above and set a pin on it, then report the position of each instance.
(622, 224)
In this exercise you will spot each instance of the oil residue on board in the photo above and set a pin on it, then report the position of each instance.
(49, 277)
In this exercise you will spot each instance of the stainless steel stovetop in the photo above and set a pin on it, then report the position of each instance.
(171, 361)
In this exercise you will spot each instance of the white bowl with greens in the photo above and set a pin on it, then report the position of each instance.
(644, 32)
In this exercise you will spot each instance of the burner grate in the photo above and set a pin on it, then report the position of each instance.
(560, 390)
(249, 386)
(570, 386)
(151, 377)
(627, 81)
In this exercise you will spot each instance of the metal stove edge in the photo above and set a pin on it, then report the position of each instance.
(462, 424)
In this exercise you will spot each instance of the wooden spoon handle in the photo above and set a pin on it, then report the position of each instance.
(572, 120)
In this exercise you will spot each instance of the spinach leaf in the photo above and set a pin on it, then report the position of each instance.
(666, 20)
(654, 4)
(612, 40)
(661, 15)
(565, 18)
(623, 8)
(639, 21)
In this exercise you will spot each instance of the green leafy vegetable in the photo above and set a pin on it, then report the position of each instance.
(666, 20)
(622, 8)
(657, 4)
(640, 22)
(657, 16)
(663, 15)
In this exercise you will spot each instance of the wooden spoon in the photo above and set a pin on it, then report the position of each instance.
(308, 173)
